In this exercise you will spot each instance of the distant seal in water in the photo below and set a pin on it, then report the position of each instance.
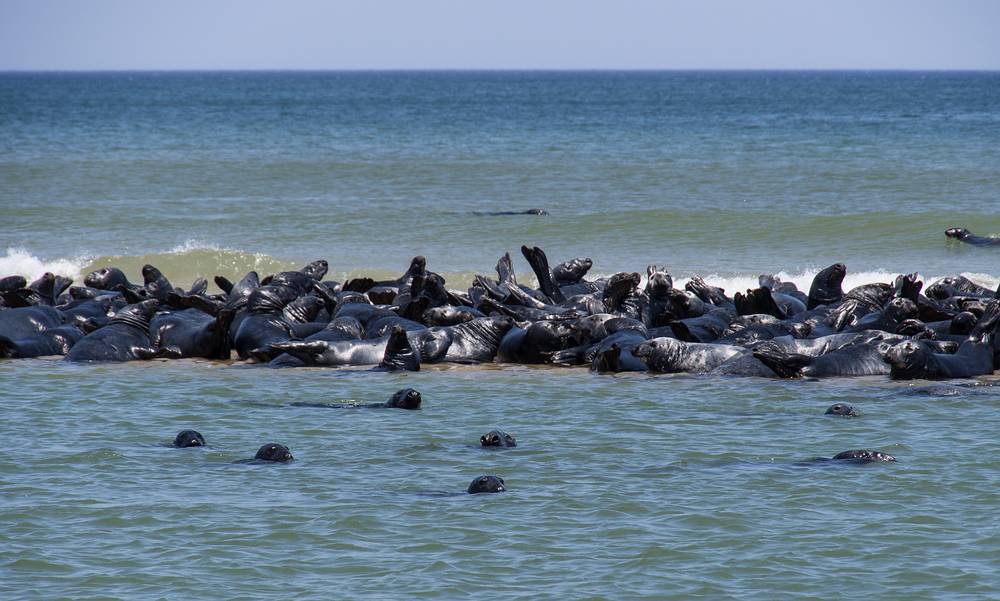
(964, 235)
(487, 484)
(273, 451)
(842, 409)
(407, 398)
(189, 438)
(863, 456)
(525, 212)
(497, 438)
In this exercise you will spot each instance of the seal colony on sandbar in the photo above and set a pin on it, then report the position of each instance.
(613, 324)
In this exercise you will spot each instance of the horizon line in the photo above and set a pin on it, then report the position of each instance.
(518, 70)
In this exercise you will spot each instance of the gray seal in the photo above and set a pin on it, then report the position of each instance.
(189, 438)
(273, 451)
(488, 484)
(841, 409)
(497, 438)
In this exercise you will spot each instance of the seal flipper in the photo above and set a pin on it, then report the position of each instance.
(540, 265)
(361, 285)
(224, 284)
(490, 287)
(577, 355)
(169, 352)
(781, 362)
(306, 350)
(758, 301)
(205, 305)
(609, 360)
(489, 306)
(399, 354)
(505, 269)
(131, 296)
(908, 286)
(199, 287)
(144, 352)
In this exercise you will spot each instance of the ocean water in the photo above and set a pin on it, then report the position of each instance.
(626, 486)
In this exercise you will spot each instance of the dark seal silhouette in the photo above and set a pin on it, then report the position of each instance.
(842, 409)
(488, 484)
(497, 438)
(273, 452)
(863, 456)
(189, 438)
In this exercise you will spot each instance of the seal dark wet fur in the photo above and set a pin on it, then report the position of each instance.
(842, 409)
(863, 456)
(189, 438)
(497, 438)
(273, 451)
(487, 484)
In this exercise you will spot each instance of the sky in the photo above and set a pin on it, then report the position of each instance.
(512, 34)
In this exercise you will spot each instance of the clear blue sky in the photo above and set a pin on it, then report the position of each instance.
(509, 34)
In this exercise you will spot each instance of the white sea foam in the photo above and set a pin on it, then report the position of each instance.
(19, 261)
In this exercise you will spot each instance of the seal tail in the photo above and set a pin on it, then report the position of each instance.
(399, 353)
(781, 362)
(540, 265)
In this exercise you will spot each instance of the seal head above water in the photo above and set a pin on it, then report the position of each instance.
(488, 484)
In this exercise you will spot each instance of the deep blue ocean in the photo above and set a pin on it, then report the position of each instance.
(622, 486)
